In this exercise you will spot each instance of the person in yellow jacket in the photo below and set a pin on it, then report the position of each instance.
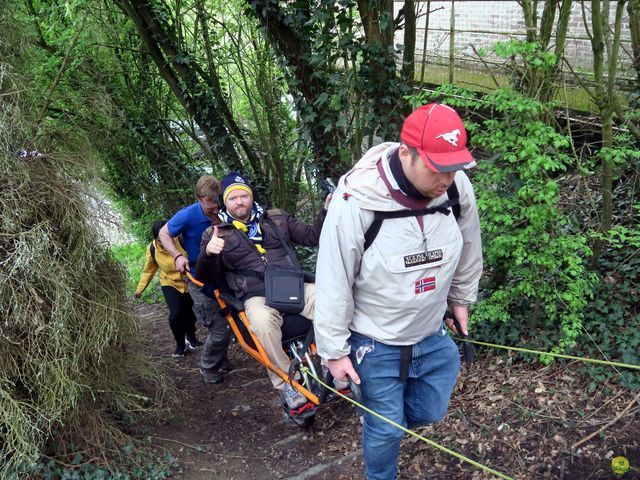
(174, 288)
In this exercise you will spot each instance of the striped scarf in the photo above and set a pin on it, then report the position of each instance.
(251, 228)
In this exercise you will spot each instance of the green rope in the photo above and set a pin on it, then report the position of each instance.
(443, 448)
(559, 355)
(406, 430)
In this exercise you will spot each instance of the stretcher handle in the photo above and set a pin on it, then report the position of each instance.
(356, 392)
(467, 348)
(193, 279)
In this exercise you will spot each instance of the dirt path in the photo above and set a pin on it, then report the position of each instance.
(518, 419)
(237, 429)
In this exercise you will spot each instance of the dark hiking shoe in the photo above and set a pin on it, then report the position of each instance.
(179, 352)
(226, 368)
(192, 342)
(292, 398)
(297, 407)
(212, 376)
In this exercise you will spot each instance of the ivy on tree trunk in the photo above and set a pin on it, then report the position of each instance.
(605, 58)
(539, 81)
(198, 92)
(634, 27)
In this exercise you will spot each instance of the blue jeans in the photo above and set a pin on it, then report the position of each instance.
(423, 398)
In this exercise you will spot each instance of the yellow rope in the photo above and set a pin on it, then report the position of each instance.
(406, 430)
(443, 448)
(559, 355)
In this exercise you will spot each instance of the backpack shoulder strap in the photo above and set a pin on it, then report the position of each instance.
(274, 212)
(454, 200)
(372, 232)
(278, 234)
(378, 217)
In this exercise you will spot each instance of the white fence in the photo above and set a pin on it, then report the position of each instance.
(480, 24)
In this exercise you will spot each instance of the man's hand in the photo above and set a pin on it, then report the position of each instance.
(343, 368)
(327, 201)
(462, 315)
(216, 244)
(182, 264)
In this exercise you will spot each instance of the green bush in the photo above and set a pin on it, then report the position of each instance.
(612, 319)
(536, 286)
(132, 464)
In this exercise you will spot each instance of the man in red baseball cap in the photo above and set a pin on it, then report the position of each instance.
(399, 247)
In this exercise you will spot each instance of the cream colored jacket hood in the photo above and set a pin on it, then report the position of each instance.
(396, 291)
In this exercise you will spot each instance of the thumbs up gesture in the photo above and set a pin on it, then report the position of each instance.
(216, 244)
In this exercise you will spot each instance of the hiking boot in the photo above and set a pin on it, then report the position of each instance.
(226, 368)
(191, 341)
(292, 398)
(212, 376)
(179, 352)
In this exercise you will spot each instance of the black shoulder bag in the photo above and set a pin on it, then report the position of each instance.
(284, 286)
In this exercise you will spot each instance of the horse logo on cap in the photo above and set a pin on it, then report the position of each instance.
(451, 137)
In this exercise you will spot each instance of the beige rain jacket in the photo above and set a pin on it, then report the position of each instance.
(396, 291)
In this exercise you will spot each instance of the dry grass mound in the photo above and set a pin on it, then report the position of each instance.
(65, 368)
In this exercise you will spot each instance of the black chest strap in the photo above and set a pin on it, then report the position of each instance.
(454, 200)
(452, 205)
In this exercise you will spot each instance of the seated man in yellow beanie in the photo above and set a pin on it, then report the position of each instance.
(245, 243)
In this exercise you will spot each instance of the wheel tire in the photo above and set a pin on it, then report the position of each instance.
(304, 422)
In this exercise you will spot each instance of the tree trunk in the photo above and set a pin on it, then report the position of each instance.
(548, 88)
(383, 90)
(597, 43)
(530, 19)
(634, 27)
(538, 82)
(546, 22)
(408, 56)
(605, 97)
(179, 70)
(303, 78)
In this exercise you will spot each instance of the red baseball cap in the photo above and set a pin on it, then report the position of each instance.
(438, 134)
